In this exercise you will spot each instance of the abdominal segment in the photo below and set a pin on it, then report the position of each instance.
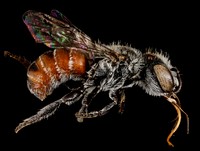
(54, 68)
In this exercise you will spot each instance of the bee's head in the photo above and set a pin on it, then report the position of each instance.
(160, 78)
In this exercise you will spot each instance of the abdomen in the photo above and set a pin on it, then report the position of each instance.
(54, 68)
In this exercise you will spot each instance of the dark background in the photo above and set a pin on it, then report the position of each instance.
(146, 121)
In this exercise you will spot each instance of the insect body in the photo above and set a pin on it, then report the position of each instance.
(100, 68)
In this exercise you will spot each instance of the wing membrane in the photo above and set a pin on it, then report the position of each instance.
(56, 31)
(53, 32)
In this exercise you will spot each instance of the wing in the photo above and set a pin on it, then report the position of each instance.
(56, 31)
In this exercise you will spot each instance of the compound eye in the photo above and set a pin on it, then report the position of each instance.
(164, 78)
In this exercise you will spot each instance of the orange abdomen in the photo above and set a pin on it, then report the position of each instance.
(54, 68)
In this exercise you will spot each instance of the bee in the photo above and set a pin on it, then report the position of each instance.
(98, 67)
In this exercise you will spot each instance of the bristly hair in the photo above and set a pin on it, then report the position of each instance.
(164, 56)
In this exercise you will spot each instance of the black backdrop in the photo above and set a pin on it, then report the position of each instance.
(146, 121)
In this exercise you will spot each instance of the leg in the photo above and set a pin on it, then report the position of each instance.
(42, 114)
(81, 115)
(93, 114)
(85, 103)
(122, 101)
(21, 59)
(49, 110)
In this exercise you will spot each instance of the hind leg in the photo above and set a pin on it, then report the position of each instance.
(20, 59)
(49, 110)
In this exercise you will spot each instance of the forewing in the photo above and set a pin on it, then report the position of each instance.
(54, 30)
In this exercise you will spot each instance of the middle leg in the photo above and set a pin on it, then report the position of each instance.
(81, 115)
